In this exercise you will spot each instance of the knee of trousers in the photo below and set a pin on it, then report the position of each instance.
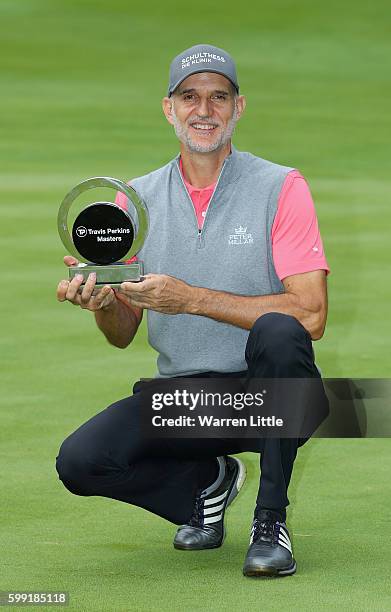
(276, 337)
(75, 468)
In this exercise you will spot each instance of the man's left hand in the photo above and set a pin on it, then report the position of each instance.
(159, 292)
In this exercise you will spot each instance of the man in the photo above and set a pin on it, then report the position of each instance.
(235, 286)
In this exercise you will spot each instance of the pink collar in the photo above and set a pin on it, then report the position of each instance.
(190, 187)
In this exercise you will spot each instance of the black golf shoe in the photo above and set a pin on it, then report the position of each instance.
(270, 551)
(206, 526)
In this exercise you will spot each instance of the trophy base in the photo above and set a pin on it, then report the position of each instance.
(112, 275)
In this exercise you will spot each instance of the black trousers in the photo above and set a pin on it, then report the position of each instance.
(108, 456)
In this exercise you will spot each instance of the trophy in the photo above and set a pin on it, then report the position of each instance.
(104, 235)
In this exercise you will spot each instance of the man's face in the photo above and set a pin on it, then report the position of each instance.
(204, 111)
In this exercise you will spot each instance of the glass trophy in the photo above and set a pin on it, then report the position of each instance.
(104, 235)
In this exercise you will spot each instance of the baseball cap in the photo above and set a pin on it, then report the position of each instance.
(201, 58)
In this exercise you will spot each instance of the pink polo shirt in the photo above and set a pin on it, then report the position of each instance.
(296, 242)
(199, 197)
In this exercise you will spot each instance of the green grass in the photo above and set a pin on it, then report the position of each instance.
(81, 84)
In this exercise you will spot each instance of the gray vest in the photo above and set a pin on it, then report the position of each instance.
(233, 253)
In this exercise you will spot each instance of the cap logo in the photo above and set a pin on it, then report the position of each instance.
(201, 58)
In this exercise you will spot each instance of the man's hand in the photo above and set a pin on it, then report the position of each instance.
(69, 291)
(305, 298)
(159, 292)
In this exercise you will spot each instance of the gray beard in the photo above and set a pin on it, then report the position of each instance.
(181, 132)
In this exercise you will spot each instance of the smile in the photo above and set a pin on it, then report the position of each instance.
(203, 127)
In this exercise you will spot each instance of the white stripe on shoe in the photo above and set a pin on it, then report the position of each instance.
(284, 540)
(283, 537)
(284, 531)
(214, 509)
(215, 500)
(212, 519)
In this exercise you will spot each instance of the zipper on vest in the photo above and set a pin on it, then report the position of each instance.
(199, 242)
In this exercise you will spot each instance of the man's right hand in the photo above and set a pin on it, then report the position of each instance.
(68, 291)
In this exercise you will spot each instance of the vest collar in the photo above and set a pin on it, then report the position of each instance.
(231, 169)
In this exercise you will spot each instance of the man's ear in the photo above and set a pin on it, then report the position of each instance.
(167, 105)
(240, 105)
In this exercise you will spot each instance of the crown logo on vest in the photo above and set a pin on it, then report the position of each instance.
(240, 236)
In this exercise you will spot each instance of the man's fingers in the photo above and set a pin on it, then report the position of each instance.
(63, 293)
(150, 281)
(62, 289)
(88, 288)
(70, 261)
(77, 300)
(102, 295)
(132, 287)
(128, 287)
(73, 287)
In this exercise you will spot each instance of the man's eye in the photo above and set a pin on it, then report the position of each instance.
(219, 97)
(188, 97)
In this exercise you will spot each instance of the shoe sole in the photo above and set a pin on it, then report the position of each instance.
(236, 486)
(268, 572)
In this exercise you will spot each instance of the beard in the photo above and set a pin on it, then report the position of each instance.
(182, 133)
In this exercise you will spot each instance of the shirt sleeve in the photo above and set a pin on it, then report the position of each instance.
(120, 199)
(296, 242)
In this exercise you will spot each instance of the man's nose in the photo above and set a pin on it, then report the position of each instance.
(204, 109)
